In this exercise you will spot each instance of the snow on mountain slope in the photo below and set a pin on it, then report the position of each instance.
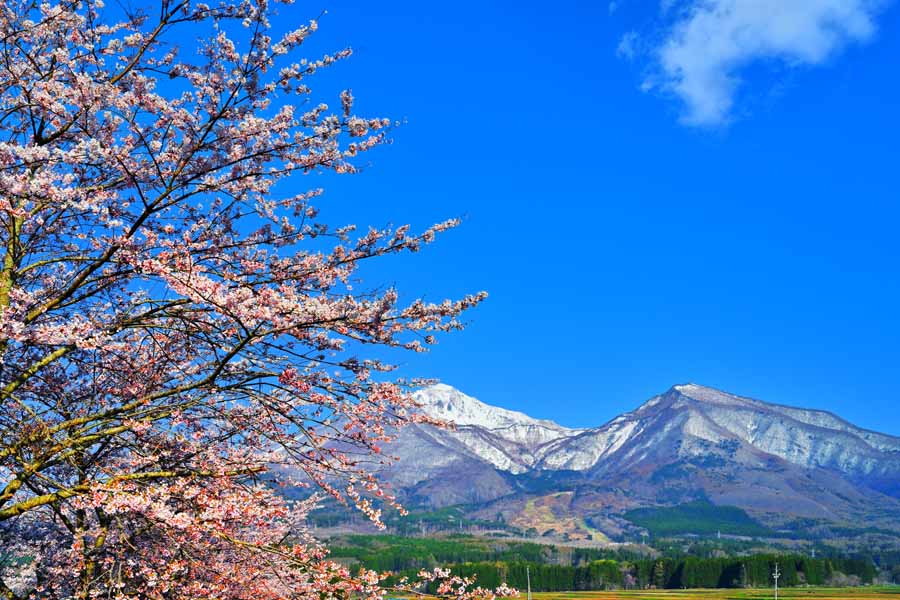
(807, 438)
(445, 402)
(688, 416)
(509, 440)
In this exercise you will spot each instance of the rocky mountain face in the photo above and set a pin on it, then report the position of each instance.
(691, 442)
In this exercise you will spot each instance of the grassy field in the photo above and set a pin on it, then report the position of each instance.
(884, 593)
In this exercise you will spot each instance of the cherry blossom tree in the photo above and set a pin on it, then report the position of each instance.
(180, 335)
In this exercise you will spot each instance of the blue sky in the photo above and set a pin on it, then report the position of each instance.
(652, 194)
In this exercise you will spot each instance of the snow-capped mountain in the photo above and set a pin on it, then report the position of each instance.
(514, 442)
(689, 442)
(509, 440)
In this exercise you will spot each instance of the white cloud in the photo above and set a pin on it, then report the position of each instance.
(613, 7)
(703, 53)
(626, 47)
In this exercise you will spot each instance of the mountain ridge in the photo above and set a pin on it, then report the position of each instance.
(691, 442)
(709, 398)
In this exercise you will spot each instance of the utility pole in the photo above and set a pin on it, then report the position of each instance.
(528, 579)
(776, 574)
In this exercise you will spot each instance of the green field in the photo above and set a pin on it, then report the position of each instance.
(816, 593)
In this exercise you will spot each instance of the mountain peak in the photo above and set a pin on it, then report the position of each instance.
(507, 439)
(445, 402)
(692, 389)
(705, 394)
(690, 386)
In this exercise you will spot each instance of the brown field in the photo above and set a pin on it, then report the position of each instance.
(883, 593)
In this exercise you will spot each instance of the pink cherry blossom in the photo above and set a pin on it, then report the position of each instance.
(179, 335)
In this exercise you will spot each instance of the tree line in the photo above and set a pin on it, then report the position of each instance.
(671, 573)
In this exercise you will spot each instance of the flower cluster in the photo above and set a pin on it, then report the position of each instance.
(179, 337)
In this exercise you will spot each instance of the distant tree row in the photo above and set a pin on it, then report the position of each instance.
(690, 572)
(559, 568)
